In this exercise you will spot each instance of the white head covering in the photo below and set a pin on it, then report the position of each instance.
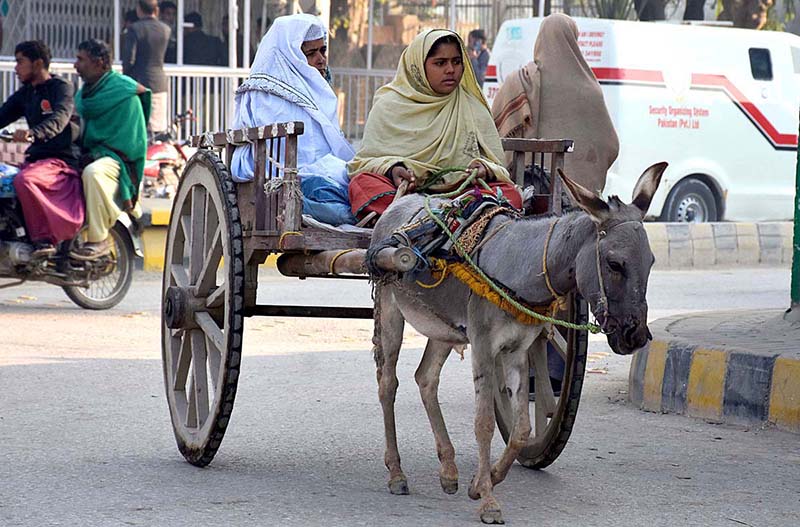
(281, 69)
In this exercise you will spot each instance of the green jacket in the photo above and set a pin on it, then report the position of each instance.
(114, 120)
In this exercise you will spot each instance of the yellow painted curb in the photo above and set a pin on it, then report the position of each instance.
(154, 240)
(654, 376)
(784, 401)
(706, 388)
(159, 216)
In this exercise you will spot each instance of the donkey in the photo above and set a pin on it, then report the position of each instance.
(602, 250)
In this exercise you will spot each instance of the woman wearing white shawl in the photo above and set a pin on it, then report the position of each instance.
(284, 86)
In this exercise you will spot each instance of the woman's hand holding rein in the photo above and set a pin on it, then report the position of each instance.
(399, 173)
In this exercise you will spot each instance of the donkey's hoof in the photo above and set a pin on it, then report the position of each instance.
(449, 486)
(492, 516)
(473, 490)
(398, 486)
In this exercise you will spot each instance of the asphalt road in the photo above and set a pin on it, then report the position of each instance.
(86, 439)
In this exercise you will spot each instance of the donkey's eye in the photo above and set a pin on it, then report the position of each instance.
(616, 267)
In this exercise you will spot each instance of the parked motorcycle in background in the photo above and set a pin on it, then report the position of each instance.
(100, 283)
(166, 157)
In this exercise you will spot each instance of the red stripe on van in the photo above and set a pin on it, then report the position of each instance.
(620, 74)
(700, 80)
(491, 70)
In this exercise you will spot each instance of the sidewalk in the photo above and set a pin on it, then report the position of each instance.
(740, 367)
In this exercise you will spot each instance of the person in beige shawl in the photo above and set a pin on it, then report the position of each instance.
(556, 96)
(429, 127)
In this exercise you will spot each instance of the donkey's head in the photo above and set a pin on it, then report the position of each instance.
(612, 268)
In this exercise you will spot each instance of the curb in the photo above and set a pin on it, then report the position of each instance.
(675, 245)
(706, 245)
(717, 383)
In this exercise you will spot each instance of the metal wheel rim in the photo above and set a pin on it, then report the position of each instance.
(692, 209)
(196, 359)
(114, 280)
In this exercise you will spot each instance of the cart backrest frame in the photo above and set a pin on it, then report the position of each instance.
(273, 203)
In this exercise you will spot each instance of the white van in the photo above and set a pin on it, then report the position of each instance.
(719, 104)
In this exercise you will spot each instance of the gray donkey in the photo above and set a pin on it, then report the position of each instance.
(601, 250)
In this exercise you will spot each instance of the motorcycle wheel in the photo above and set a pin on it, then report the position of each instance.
(108, 290)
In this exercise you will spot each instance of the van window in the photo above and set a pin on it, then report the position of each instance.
(796, 59)
(760, 64)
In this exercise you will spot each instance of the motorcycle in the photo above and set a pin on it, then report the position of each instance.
(166, 157)
(97, 284)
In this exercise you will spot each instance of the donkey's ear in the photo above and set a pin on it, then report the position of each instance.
(647, 185)
(591, 203)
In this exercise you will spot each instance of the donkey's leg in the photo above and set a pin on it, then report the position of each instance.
(483, 378)
(389, 328)
(515, 366)
(427, 377)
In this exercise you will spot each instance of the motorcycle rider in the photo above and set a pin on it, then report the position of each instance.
(114, 109)
(48, 185)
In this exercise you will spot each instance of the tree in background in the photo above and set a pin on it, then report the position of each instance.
(750, 14)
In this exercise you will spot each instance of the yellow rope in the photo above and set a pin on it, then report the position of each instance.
(285, 234)
(336, 257)
(437, 266)
(479, 286)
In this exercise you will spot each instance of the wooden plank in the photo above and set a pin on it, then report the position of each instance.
(244, 136)
(538, 145)
(557, 162)
(259, 176)
(293, 196)
(519, 168)
(310, 240)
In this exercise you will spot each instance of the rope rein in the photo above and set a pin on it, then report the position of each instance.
(592, 328)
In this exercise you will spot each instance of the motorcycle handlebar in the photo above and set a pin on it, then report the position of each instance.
(8, 136)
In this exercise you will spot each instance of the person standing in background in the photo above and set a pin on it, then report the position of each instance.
(143, 50)
(143, 59)
(168, 13)
(478, 54)
(128, 20)
(198, 46)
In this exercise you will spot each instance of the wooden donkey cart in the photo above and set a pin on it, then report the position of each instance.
(221, 231)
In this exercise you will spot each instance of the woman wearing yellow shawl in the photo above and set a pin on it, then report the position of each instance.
(432, 118)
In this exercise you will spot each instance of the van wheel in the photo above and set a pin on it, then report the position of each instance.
(691, 201)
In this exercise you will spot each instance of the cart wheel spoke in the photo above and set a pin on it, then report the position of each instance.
(199, 376)
(183, 359)
(197, 226)
(545, 399)
(210, 328)
(179, 275)
(217, 297)
(214, 363)
(208, 273)
(191, 408)
(558, 342)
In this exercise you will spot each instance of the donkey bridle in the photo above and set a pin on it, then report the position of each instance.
(602, 304)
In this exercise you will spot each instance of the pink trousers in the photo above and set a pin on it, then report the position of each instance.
(51, 196)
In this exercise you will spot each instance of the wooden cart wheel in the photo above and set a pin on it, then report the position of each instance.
(552, 418)
(202, 302)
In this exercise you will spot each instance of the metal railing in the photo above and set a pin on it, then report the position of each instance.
(356, 88)
(209, 92)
